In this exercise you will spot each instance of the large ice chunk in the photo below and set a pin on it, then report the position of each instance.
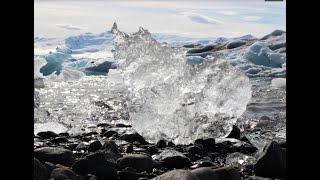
(260, 54)
(169, 98)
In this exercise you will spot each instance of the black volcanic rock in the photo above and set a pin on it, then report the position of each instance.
(161, 143)
(133, 137)
(82, 146)
(39, 170)
(228, 173)
(58, 140)
(94, 145)
(47, 134)
(177, 162)
(193, 150)
(272, 162)
(208, 143)
(95, 164)
(139, 162)
(111, 150)
(205, 173)
(129, 174)
(55, 155)
(177, 174)
(63, 174)
(235, 133)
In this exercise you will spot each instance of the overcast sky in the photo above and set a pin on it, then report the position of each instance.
(184, 18)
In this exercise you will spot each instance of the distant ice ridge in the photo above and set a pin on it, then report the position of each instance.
(172, 99)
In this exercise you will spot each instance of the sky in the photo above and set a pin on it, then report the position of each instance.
(194, 19)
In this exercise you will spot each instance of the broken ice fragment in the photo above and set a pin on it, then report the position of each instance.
(173, 100)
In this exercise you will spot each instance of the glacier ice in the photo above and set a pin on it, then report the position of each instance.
(54, 63)
(259, 54)
(239, 158)
(279, 82)
(169, 98)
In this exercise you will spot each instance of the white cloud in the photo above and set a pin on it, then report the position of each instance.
(69, 27)
(228, 13)
(252, 18)
(199, 18)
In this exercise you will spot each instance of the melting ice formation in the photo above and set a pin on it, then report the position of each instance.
(172, 99)
(260, 54)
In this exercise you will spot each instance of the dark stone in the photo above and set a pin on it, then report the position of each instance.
(208, 143)
(55, 155)
(257, 178)
(177, 174)
(201, 50)
(103, 125)
(94, 145)
(207, 164)
(131, 175)
(129, 149)
(272, 162)
(152, 149)
(92, 133)
(143, 178)
(123, 125)
(235, 44)
(82, 146)
(136, 143)
(47, 134)
(171, 144)
(59, 140)
(133, 137)
(177, 162)
(63, 174)
(189, 46)
(90, 177)
(39, 170)
(235, 133)
(109, 133)
(111, 146)
(102, 131)
(228, 173)
(193, 150)
(65, 134)
(95, 164)
(161, 143)
(205, 173)
(50, 167)
(139, 162)
(283, 144)
(274, 33)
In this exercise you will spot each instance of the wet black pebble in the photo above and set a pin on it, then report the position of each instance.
(47, 134)
(161, 143)
(94, 145)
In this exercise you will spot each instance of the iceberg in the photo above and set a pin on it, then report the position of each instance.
(169, 98)
(259, 54)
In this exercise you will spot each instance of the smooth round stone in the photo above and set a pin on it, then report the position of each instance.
(137, 161)
(161, 143)
(94, 145)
